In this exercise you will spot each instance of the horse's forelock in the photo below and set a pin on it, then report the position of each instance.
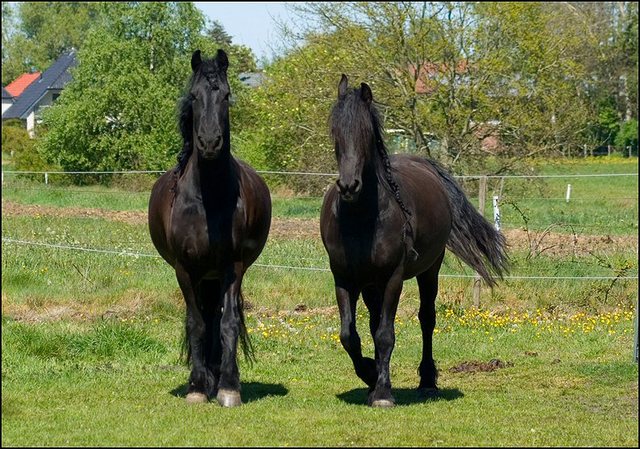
(363, 117)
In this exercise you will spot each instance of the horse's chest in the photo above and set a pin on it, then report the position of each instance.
(370, 248)
(199, 236)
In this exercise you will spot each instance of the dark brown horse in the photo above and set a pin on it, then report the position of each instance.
(387, 219)
(209, 218)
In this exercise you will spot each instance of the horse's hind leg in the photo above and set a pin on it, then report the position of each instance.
(365, 367)
(201, 381)
(428, 286)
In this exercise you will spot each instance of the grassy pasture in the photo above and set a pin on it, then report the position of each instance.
(598, 205)
(91, 340)
(117, 382)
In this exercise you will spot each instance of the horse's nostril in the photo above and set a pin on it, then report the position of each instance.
(353, 187)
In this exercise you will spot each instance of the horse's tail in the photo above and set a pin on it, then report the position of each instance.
(473, 239)
(245, 341)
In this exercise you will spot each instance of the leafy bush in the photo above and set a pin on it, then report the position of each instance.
(16, 141)
(628, 136)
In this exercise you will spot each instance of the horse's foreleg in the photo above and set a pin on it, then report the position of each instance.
(372, 296)
(384, 340)
(365, 367)
(229, 383)
(211, 298)
(201, 381)
(428, 286)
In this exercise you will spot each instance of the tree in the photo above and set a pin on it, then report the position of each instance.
(242, 56)
(282, 124)
(119, 112)
(479, 86)
(37, 33)
(609, 52)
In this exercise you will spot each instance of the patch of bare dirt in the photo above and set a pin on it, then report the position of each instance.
(131, 217)
(43, 312)
(559, 244)
(280, 227)
(475, 366)
(567, 244)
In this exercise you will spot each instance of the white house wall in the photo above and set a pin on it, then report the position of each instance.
(5, 106)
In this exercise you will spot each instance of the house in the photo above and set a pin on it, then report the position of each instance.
(41, 92)
(251, 79)
(17, 86)
(7, 100)
(14, 89)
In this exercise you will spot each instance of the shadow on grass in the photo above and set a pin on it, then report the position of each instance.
(403, 396)
(251, 391)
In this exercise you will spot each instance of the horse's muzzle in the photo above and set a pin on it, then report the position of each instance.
(350, 191)
(210, 149)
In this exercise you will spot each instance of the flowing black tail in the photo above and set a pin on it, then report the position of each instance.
(473, 239)
(210, 318)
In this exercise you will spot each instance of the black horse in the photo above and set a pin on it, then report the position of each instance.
(209, 218)
(387, 219)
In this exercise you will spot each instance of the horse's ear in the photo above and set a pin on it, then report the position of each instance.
(222, 60)
(365, 93)
(342, 86)
(196, 60)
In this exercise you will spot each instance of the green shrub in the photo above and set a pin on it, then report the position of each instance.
(628, 136)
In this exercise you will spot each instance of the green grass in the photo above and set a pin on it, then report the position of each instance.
(598, 205)
(129, 266)
(91, 340)
(118, 382)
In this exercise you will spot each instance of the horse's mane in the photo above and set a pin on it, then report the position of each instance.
(348, 109)
(185, 123)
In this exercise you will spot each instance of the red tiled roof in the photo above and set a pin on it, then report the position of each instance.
(428, 71)
(16, 87)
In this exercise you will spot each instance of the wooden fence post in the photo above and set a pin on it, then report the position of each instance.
(482, 196)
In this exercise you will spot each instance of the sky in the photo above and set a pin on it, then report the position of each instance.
(249, 23)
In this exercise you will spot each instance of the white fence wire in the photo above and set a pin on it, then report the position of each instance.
(496, 215)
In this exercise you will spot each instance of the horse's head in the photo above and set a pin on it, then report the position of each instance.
(209, 94)
(353, 132)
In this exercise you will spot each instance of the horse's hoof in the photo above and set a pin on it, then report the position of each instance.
(197, 398)
(383, 403)
(229, 398)
(426, 393)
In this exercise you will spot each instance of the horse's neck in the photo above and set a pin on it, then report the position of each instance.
(209, 176)
(372, 176)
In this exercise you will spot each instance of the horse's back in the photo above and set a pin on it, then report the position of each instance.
(422, 188)
(421, 185)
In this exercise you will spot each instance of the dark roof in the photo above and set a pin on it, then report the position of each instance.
(6, 95)
(251, 79)
(55, 77)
